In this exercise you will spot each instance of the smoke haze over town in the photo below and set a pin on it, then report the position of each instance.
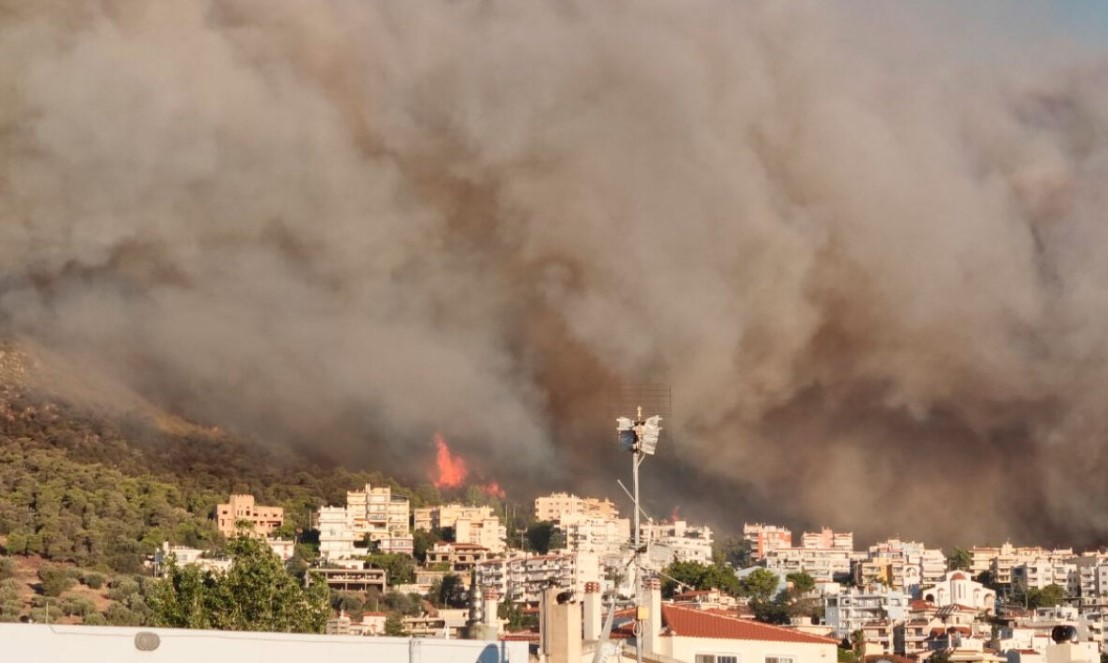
(863, 245)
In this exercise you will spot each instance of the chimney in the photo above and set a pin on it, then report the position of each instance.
(489, 616)
(593, 611)
(652, 622)
(560, 626)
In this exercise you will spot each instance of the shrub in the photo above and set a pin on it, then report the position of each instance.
(122, 587)
(55, 580)
(93, 580)
(7, 568)
(94, 619)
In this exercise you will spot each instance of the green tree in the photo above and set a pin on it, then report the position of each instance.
(959, 560)
(422, 541)
(1047, 597)
(760, 585)
(694, 575)
(394, 625)
(399, 567)
(450, 592)
(540, 535)
(256, 594)
(802, 582)
(734, 550)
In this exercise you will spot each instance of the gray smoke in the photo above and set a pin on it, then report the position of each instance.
(862, 248)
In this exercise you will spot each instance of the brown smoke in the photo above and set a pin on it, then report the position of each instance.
(864, 251)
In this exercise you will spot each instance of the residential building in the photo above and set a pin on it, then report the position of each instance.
(1002, 559)
(557, 506)
(460, 557)
(823, 564)
(471, 524)
(521, 579)
(1042, 572)
(910, 564)
(185, 556)
(240, 513)
(378, 513)
(687, 543)
(827, 538)
(594, 533)
(283, 548)
(764, 539)
(355, 579)
(854, 608)
(336, 533)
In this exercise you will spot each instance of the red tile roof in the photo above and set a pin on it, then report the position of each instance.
(687, 622)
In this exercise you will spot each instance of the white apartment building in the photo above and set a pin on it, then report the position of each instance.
(471, 524)
(1000, 560)
(1040, 573)
(1092, 576)
(823, 564)
(376, 512)
(556, 506)
(688, 543)
(594, 534)
(910, 564)
(850, 610)
(521, 579)
(827, 538)
(764, 539)
(336, 533)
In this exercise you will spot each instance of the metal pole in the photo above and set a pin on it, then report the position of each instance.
(635, 461)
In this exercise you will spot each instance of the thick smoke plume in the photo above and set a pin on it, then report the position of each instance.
(865, 251)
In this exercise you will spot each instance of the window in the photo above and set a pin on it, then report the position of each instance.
(717, 658)
(780, 659)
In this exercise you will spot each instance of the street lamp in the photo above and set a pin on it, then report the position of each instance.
(640, 437)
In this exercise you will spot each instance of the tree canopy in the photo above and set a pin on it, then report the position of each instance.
(256, 594)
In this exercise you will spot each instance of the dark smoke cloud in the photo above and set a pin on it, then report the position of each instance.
(864, 249)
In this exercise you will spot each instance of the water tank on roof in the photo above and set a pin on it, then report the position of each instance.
(1063, 633)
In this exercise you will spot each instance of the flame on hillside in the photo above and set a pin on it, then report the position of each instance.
(451, 470)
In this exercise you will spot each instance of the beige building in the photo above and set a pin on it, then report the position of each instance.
(241, 509)
(376, 512)
(471, 524)
(827, 538)
(558, 506)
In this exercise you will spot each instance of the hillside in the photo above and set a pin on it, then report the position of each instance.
(94, 473)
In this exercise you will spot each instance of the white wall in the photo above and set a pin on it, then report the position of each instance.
(748, 651)
(45, 643)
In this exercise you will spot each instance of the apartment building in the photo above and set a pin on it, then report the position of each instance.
(240, 513)
(336, 533)
(764, 539)
(471, 524)
(687, 543)
(823, 564)
(999, 561)
(378, 513)
(1040, 573)
(909, 564)
(594, 534)
(460, 557)
(557, 506)
(1092, 576)
(852, 609)
(827, 538)
(522, 578)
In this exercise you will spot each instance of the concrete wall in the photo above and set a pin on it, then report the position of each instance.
(748, 651)
(33, 643)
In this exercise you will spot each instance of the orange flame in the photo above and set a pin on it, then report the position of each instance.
(493, 489)
(452, 469)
